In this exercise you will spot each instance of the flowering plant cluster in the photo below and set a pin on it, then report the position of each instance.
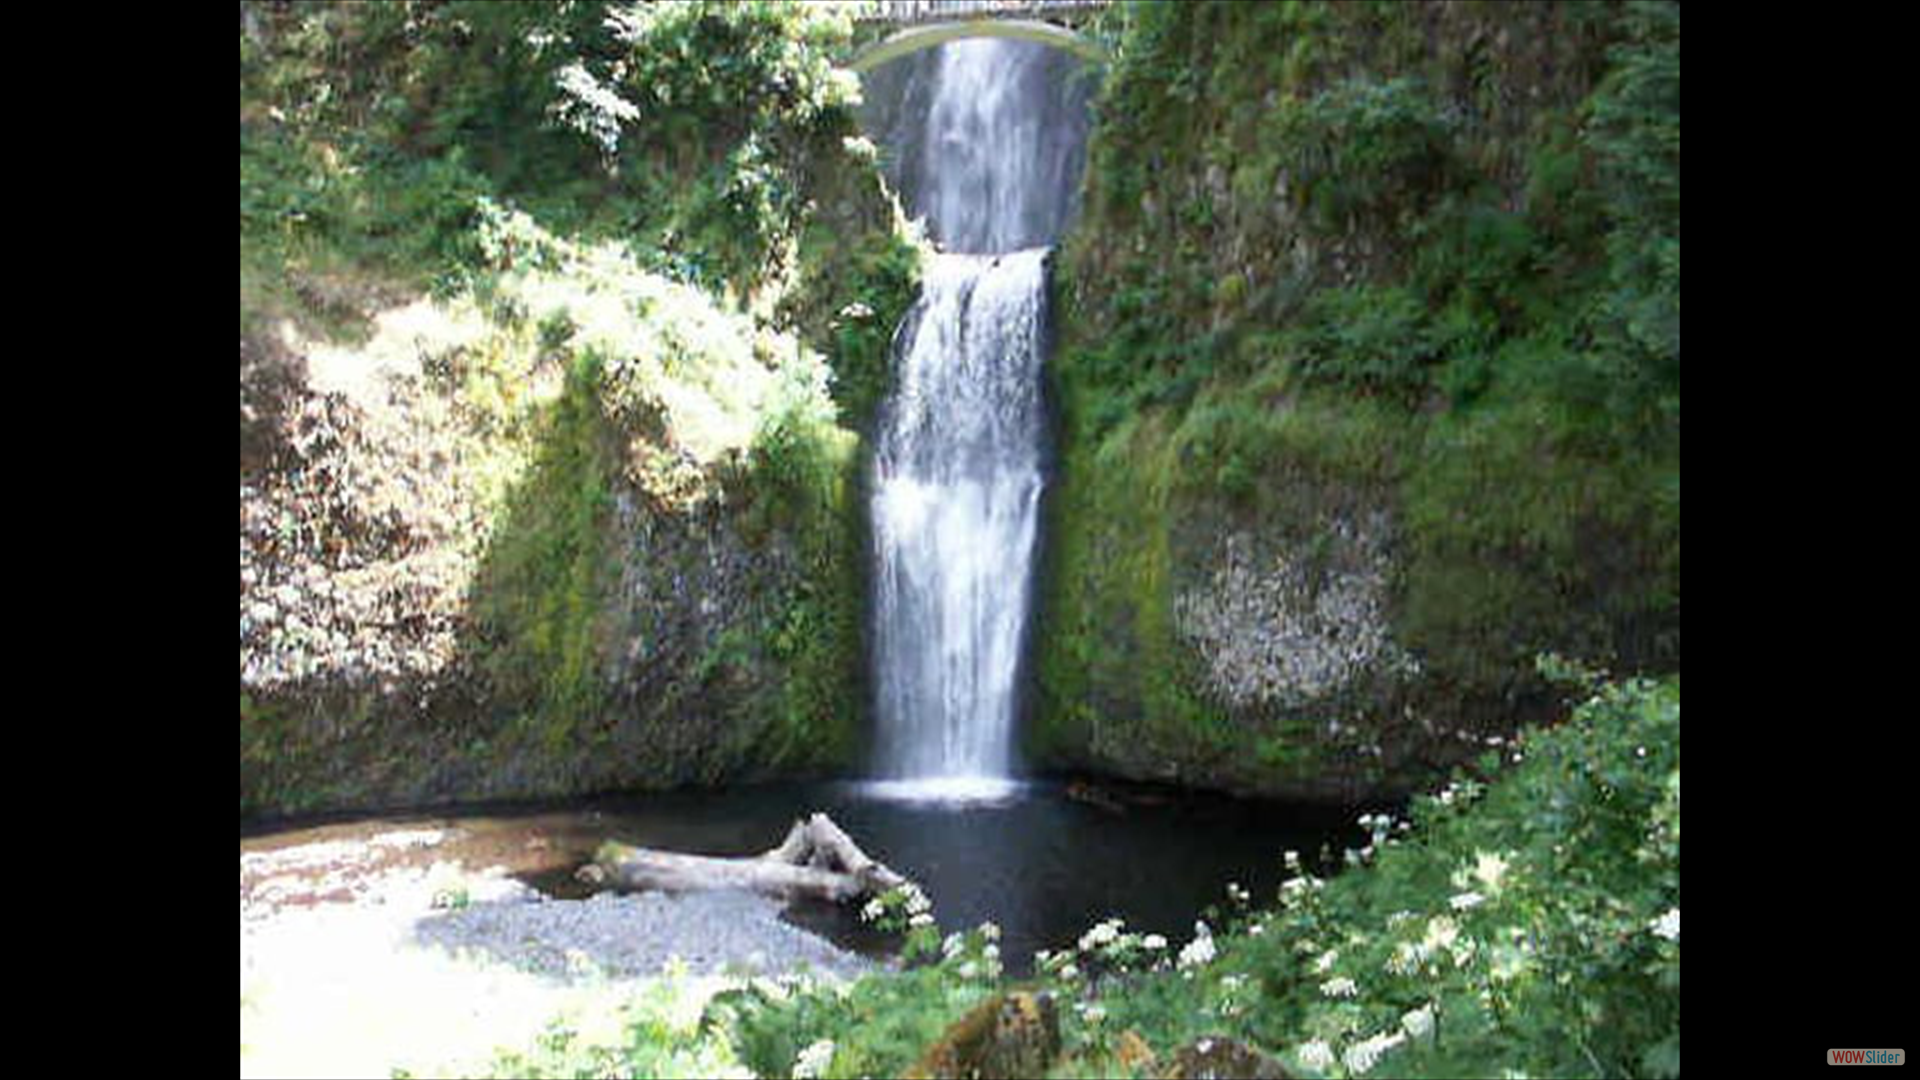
(1522, 921)
(1526, 925)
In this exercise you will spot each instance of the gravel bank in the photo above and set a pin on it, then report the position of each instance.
(712, 933)
(352, 968)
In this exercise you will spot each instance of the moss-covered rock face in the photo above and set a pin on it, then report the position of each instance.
(1368, 382)
(594, 533)
(549, 398)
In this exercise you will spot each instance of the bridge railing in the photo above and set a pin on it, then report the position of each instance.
(920, 11)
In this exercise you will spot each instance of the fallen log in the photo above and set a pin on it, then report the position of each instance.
(817, 860)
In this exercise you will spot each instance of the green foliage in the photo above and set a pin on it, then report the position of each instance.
(1532, 924)
(1524, 538)
(1364, 147)
(697, 130)
(869, 287)
(802, 466)
(1636, 136)
(689, 401)
(722, 106)
(658, 1035)
(877, 1026)
(1372, 340)
(539, 595)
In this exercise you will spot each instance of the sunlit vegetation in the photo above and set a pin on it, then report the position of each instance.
(674, 272)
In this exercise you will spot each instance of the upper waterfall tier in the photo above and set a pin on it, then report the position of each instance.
(987, 140)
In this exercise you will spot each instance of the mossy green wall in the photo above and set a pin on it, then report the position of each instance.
(1348, 328)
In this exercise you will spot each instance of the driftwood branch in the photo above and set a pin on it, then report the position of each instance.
(817, 860)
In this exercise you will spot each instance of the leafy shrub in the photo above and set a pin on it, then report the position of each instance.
(1376, 340)
(877, 1026)
(1636, 135)
(1366, 147)
(659, 1033)
(1529, 924)
(1524, 919)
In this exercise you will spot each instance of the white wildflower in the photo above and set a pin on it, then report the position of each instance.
(1463, 952)
(922, 919)
(1488, 870)
(1341, 987)
(1326, 961)
(1406, 959)
(1441, 932)
(1667, 926)
(1153, 941)
(874, 909)
(1507, 962)
(1419, 1023)
(1467, 901)
(1092, 1014)
(1102, 934)
(812, 1061)
(1197, 952)
(1069, 973)
(773, 989)
(1361, 1055)
(843, 86)
(990, 931)
(1316, 1055)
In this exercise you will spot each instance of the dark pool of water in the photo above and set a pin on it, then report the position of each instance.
(1044, 864)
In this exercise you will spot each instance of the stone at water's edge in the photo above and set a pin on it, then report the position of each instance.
(1008, 1035)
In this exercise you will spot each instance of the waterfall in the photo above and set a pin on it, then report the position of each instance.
(958, 448)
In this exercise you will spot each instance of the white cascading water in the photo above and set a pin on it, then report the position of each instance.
(957, 466)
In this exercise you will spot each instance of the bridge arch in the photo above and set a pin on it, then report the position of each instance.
(913, 39)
